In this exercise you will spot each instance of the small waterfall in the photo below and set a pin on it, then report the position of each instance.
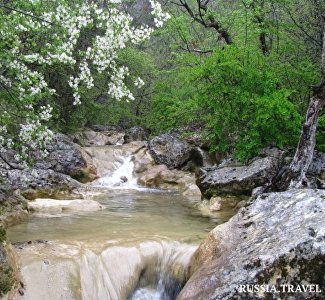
(121, 177)
(151, 271)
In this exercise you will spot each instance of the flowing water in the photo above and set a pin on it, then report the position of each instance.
(137, 247)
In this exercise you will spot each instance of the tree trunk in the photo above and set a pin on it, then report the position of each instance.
(305, 149)
(295, 175)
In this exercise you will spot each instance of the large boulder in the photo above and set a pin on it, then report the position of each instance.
(68, 158)
(35, 183)
(158, 176)
(278, 239)
(50, 176)
(170, 151)
(239, 180)
(135, 134)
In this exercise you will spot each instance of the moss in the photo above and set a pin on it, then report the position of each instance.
(7, 278)
(3, 234)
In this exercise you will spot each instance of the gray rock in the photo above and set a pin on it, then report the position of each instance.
(237, 180)
(135, 134)
(34, 183)
(67, 158)
(317, 167)
(46, 175)
(102, 138)
(170, 151)
(278, 239)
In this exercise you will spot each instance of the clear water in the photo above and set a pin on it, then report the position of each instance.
(129, 216)
(138, 247)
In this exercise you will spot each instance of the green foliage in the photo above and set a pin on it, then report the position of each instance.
(3, 234)
(238, 97)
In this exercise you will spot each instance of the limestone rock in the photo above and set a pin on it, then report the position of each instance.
(158, 176)
(278, 239)
(170, 151)
(135, 134)
(60, 206)
(68, 158)
(239, 180)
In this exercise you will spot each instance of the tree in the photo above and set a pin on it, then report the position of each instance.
(53, 52)
(205, 18)
(295, 175)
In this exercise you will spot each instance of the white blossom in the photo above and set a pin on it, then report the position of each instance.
(62, 28)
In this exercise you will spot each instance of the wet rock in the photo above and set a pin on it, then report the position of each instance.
(135, 134)
(152, 177)
(124, 179)
(170, 151)
(142, 160)
(104, 158)
(61, 206)
(159, 176)
(192, 190)
(278, 239)
(203, 158)
(239, 180)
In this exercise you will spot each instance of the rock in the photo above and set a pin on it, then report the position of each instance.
(317, 167)
(192, 190)
(239, 180)
(223, 203)
(64, 157)
(135, 134)
(170, 151)
(142, 160)
(68, 158)
(93, 138)
(221, 208)
(277, 239)
(124, 179)
(60, 206)
(203, 158)
(159, 176)
(39, 182)
(7, 277)
(152, 177)
(104, 158)
(13, 208)
(194, 135)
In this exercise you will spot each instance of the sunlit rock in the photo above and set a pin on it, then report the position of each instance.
(59, 206)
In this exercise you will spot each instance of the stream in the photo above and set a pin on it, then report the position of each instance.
(138, 246)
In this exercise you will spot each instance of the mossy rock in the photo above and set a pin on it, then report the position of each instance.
(7, 277)
(3, 234)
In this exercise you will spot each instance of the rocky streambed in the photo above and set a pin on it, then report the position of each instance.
(134, 230)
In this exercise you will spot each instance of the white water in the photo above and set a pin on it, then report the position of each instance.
(121, 178)
(125, 251)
